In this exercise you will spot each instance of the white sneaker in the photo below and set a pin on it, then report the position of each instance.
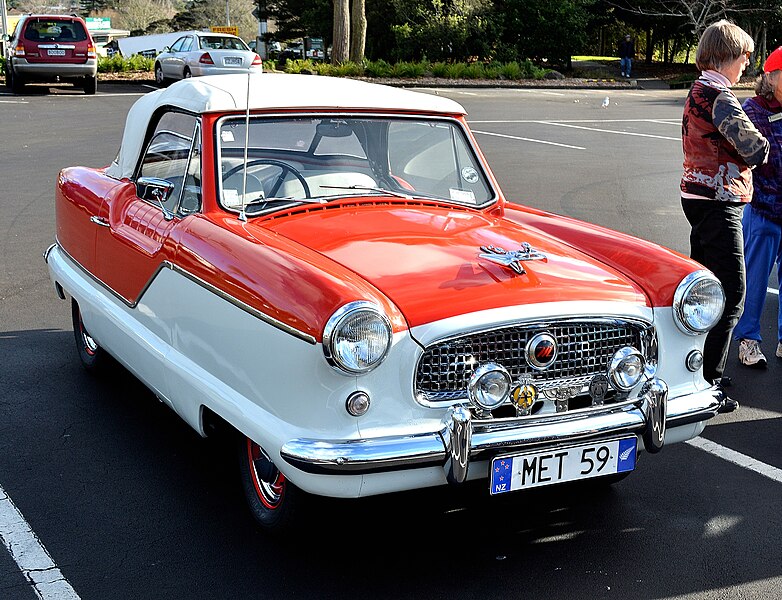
(623, 74)
(750, 354)
(779, 350)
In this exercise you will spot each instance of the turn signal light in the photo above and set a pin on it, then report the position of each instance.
(91, 52)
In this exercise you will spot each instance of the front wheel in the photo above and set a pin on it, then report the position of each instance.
(92, 356)
(273, 500)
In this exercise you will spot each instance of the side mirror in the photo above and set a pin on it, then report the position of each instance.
(156, 191)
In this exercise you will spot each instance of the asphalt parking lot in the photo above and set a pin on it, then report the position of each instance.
(125, 501)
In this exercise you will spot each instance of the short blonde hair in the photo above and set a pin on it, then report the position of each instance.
(721, 43)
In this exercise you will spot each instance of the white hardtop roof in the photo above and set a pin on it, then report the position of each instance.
(267, 91)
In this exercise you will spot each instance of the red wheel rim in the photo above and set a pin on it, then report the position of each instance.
(272, 492)
(89, 344)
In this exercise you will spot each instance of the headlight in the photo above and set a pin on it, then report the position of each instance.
(698, 302)
(357, 337)
(627, 368)
(489, 386)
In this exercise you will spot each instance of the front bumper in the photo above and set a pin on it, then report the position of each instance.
(464, 439)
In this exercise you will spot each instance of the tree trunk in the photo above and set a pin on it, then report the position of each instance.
(358, 30)
(340, 44)
(649, 46)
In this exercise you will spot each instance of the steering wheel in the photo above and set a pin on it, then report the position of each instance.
(285, 169)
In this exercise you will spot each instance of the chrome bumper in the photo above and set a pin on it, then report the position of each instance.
(464, 439)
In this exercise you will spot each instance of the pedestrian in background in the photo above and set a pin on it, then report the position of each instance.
(721, 146)
(626, 55)
(762, 222)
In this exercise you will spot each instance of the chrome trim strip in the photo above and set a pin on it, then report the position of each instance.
(487, 438)
(198, 281)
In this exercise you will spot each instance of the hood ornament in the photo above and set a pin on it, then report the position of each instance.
(512, 259)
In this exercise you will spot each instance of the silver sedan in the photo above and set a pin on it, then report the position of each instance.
(205, 53)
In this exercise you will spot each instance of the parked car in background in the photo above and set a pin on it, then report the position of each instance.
(204, 53)
(327, 270)
(51, 48)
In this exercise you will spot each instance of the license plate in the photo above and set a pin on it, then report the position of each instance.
(234, 61)
(557, 465)
(56, 52)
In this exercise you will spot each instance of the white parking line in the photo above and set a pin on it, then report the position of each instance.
(648, 135)
(737, 458)
(515, 137)
(30, 555)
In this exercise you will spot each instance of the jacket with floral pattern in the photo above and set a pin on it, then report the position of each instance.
(721, 145)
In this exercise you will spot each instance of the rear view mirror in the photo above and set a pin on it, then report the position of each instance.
(334, 128)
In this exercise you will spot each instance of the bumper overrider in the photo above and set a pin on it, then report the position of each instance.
(464, 438)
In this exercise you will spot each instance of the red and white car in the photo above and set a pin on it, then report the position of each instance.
(333, 274)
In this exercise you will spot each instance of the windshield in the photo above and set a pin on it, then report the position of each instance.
(320, 158)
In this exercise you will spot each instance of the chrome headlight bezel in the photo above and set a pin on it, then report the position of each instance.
(337, 346)
(492, 373)
(688, 302)
(627, 369)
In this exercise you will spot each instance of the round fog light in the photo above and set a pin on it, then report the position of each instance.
(489, 386)
(627, 368)
(357, 404)
(694, 360)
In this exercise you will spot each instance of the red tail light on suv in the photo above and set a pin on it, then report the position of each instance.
(52, 49)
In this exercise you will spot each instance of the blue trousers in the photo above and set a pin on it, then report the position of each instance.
(625, 64)
(762, 249)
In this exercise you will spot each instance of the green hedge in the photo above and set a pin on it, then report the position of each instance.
(379, 68)
(424, 68)
(119, 64)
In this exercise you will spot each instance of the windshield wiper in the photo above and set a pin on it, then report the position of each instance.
(368, 188)
(264, 200)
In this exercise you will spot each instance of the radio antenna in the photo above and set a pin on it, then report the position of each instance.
(243, 214)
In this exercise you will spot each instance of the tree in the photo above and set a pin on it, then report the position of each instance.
(137, 15)
(358, 30)
(341, 37)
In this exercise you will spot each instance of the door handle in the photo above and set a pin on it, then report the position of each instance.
(100, 221)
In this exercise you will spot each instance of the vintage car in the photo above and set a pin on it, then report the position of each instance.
(328, 269)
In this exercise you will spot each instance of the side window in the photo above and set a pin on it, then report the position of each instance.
(187, 44)
(173, 154)
(178, 45)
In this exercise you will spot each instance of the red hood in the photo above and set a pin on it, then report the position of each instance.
(426, 259)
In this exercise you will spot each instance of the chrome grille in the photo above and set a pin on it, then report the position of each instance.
(585, 348)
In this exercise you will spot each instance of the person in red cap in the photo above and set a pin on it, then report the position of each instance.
(762, 221)
(721, 147)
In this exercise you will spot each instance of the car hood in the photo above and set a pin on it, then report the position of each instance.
(429, 260)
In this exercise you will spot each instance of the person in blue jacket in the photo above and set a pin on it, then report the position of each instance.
(762, 219)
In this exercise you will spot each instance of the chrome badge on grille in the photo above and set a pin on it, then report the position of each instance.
(512, 259)
(541, 351)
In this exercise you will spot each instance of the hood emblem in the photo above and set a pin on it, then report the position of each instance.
(541, 351)
(511, 258)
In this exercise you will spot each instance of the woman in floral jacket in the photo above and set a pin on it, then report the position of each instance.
(721, 146)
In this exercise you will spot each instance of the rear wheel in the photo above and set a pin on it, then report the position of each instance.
(159, 78)
(90, 85)
(187, 74)
(273, 500)
(13, 81)
(92, 356)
